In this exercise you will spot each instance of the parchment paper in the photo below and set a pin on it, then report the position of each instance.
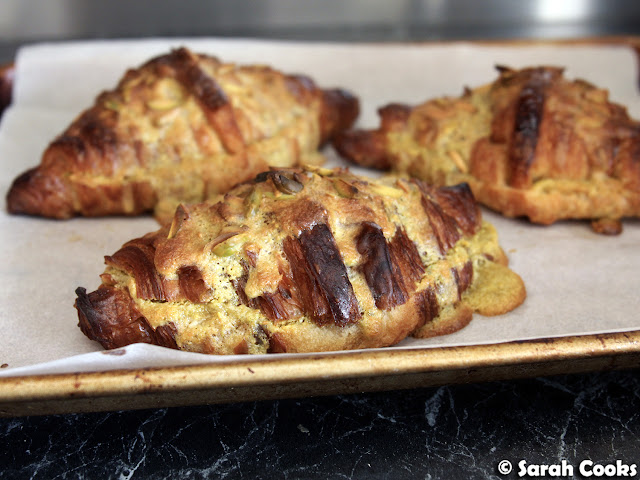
(577, 282)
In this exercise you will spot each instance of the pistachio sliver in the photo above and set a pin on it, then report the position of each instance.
(220, 245)
(344, 189)
(386, 191)
(252, 202)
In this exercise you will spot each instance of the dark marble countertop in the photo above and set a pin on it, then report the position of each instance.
(449, 432)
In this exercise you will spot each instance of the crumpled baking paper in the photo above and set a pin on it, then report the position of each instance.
(577, 282)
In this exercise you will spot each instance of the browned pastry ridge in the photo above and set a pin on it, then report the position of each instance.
(531, 144)
(181, 128)
(303, 260)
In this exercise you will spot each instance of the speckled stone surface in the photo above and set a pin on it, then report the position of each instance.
(451, 432)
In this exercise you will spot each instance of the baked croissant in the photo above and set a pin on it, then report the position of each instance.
(531, 144)
(181, 128)
(303, 260)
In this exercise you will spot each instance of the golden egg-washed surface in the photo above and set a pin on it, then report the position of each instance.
(303, 260)
(183, 127)
(532, 143)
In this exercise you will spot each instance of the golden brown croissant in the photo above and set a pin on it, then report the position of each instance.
(532, 144)
(181, 128)
(305, 260)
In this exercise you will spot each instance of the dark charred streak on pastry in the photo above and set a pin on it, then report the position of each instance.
(209, 94)
(199, 84)
(450, 210)
(192, 285)
(276, 306)
(272, 306)
(204, 88)
(137, 261)
(109, 316)
(428, 307)
(460, 204)
(526, 130)
(463, 277)
(165, 335)
(321, 277)
(97, 132)
(279, 305)
(443, 225)
(405, 257)
(383, 278)
(239, 284)
(87, 143)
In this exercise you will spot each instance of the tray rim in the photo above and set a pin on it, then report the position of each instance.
(306, 375)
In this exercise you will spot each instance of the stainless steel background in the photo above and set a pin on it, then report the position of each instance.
(24, 21)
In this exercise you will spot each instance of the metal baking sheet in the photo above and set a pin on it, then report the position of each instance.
(580, 313)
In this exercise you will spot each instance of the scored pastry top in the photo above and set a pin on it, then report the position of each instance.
(532, 143)
(303, 260)
(183, 127)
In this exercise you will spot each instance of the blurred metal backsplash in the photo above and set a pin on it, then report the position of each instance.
(24, 21)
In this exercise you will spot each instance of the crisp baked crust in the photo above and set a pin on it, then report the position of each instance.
(531, 144)
(181, 128)
(302, 260)
(7, 75)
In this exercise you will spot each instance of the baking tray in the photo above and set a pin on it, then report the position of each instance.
(314, 375)
(289, 376)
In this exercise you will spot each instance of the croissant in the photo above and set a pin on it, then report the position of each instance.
(182, 128)
(531, 143)
(302, 260)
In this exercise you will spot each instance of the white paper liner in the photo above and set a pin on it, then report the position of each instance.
(577, 282)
